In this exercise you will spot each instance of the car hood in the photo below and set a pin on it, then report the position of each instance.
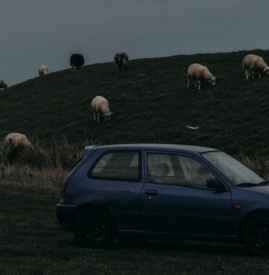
(262, 189)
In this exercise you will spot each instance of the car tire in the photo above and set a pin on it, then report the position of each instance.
(256, 234)
(93, 227)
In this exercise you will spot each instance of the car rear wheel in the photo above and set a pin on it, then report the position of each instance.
(256, 234)
(93, 227)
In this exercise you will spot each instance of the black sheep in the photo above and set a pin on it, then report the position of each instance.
(77, 61)
(3, 85)
(121, 60)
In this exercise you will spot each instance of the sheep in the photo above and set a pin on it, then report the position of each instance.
(43, 70)
(100, 108)
(3, 86)
(17, 140)
(254, 66)
(200, 75)
(18, 149)
(121, 61)
(77, 61)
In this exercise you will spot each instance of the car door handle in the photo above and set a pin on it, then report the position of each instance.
(151, 192)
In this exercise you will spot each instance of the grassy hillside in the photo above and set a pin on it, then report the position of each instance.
(150, 102)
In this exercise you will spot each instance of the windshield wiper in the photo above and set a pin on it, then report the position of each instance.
(264, 182)
(251, 184)
(247, 184)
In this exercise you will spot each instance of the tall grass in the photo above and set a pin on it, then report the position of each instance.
(52, 178)
(48, 164)
(58, 154)
(256, 163)
(46, 179)
(42, 167)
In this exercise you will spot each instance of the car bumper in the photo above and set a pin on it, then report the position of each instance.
(65, 214)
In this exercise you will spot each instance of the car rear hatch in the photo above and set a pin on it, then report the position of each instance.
(79, 163)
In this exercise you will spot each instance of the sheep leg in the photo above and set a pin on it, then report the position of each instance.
(252, 75)
(98, 117)
(246, 74)
(188, 82)
(198, 85)
(101, 117)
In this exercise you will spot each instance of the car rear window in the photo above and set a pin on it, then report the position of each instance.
(117, 166)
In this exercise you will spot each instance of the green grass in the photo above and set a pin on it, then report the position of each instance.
(32, 243)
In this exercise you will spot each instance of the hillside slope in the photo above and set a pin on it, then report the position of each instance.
(150, 102)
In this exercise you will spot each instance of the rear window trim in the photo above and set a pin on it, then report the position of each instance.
(139, 152)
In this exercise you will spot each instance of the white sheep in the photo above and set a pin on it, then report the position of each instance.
(100, 108)
(17, 139)
(199, 74)
(254, 66)
(43, 70)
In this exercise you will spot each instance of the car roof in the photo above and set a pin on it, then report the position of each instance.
(153, 146)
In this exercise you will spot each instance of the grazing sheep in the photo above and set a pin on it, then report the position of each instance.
(17, 139)
(100, 108)
(121, 61)
(77, 61)
(3, 86)
(200, 75)
(43, 70)
(254, 66)
(19, 150)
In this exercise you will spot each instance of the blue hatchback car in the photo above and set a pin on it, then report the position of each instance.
(157, 190)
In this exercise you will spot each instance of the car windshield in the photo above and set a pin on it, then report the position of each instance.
(234, 170)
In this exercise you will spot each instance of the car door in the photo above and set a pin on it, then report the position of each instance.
(116, 181)
(177, 198)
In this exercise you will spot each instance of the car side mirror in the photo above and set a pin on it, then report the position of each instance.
(216, 186)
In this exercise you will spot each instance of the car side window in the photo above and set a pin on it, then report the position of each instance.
(178, 170)
(117, 166)
(197, 174)
(165, 168)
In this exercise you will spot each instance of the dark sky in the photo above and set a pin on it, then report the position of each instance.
(35, 32)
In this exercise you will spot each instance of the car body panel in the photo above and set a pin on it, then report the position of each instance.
(122, 198)
(180, 208)
(183, 210)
